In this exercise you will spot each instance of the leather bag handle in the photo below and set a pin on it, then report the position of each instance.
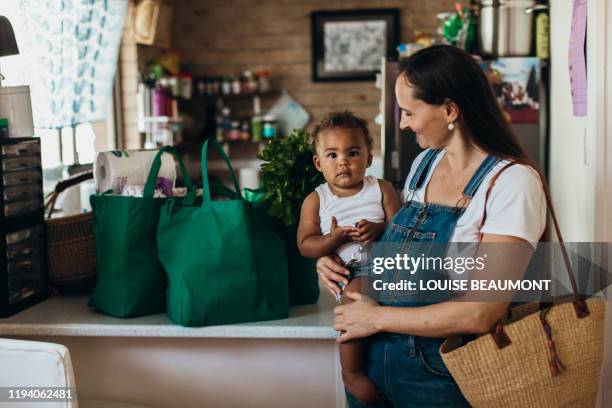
(580, 307)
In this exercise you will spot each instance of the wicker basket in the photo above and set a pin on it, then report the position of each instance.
(71, 247)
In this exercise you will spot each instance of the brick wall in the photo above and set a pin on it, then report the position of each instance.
(229, 36)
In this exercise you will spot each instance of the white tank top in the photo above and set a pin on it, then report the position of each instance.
(366, 204)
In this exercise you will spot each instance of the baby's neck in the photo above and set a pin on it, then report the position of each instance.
(346, 191)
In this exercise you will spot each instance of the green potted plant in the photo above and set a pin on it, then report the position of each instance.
(287, 177)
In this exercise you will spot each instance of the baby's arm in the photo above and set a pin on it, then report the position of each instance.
(309, 239)
(370, 231)
(391, 202)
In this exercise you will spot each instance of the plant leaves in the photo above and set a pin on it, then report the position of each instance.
(288, 175)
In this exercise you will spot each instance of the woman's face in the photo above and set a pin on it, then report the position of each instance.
(429, 122)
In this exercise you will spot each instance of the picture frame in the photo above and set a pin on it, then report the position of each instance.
(517, 86)
(347, 45)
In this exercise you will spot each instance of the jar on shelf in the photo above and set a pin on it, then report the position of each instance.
(226, 123)
(269, 127)
(263, 79)
(186, 85)
(209, 86)
(244, 84)
(219, 129)
(201, 87)
(234, 132)
(251, 82)
(245, 130)
(174, 86)
(226, 86)
(216, 85)
(236, 86)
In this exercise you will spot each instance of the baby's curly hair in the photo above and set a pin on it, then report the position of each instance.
(342, 120)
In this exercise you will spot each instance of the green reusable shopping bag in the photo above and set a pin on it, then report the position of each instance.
(303, 279)
(225, 264)
(131, 281)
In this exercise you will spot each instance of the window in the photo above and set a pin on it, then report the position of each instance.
(59, 146)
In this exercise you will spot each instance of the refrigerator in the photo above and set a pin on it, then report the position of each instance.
(520, 84)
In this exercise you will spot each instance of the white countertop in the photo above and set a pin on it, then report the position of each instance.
(70, 316)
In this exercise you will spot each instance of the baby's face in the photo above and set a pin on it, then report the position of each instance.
(342, 156)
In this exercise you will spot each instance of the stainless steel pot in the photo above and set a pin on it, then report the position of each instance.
(506, 27)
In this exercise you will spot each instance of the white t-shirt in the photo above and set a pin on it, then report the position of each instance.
(516, 205)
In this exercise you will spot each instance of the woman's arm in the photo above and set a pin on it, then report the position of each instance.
(309, 239)
(364, 317)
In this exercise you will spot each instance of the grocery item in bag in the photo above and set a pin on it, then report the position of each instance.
(115, 169)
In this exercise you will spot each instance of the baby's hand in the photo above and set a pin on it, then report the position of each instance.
(340, 235)
(367, 232)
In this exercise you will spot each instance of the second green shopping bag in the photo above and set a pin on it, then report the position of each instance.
(224, 262)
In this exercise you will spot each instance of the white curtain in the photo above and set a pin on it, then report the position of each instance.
(72, 48)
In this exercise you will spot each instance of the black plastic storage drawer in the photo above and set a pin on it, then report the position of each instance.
(23, 274)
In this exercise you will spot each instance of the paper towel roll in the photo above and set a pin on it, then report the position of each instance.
(249, 178)
(115, 169)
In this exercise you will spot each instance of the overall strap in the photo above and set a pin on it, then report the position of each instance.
(421, 172)
(484, 168)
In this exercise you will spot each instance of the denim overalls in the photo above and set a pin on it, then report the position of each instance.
(408, 369)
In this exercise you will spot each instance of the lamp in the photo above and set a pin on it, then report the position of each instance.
(8, 44)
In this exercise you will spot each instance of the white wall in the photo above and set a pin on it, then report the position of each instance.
(581, 147)
(572, 147)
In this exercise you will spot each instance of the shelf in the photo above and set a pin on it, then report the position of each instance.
(162, 119)
(212, 99)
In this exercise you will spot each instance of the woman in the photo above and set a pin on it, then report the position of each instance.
(446, 100)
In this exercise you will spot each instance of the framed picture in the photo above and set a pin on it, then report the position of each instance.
(348, 45)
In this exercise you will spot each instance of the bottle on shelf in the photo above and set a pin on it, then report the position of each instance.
(263, 78)
(219, 130)
(234, 132)
(226, 86)
(245, 129)
(226, 122)
(236, 86)
(256, 120)
(270, 127)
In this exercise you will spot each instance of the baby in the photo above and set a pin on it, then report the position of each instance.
(342, 215)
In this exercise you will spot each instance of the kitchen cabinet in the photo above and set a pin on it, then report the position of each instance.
(291, 362)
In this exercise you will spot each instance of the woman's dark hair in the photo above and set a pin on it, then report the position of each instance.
(443, 72)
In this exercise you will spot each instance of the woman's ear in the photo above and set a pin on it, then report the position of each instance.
(317, 163)
(451, 110)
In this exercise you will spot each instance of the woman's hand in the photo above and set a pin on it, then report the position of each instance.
(331, 272)
(358, 319)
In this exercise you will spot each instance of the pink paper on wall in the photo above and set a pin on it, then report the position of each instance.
(577, 59)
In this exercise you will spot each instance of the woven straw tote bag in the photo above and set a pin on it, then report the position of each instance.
(542, 355)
